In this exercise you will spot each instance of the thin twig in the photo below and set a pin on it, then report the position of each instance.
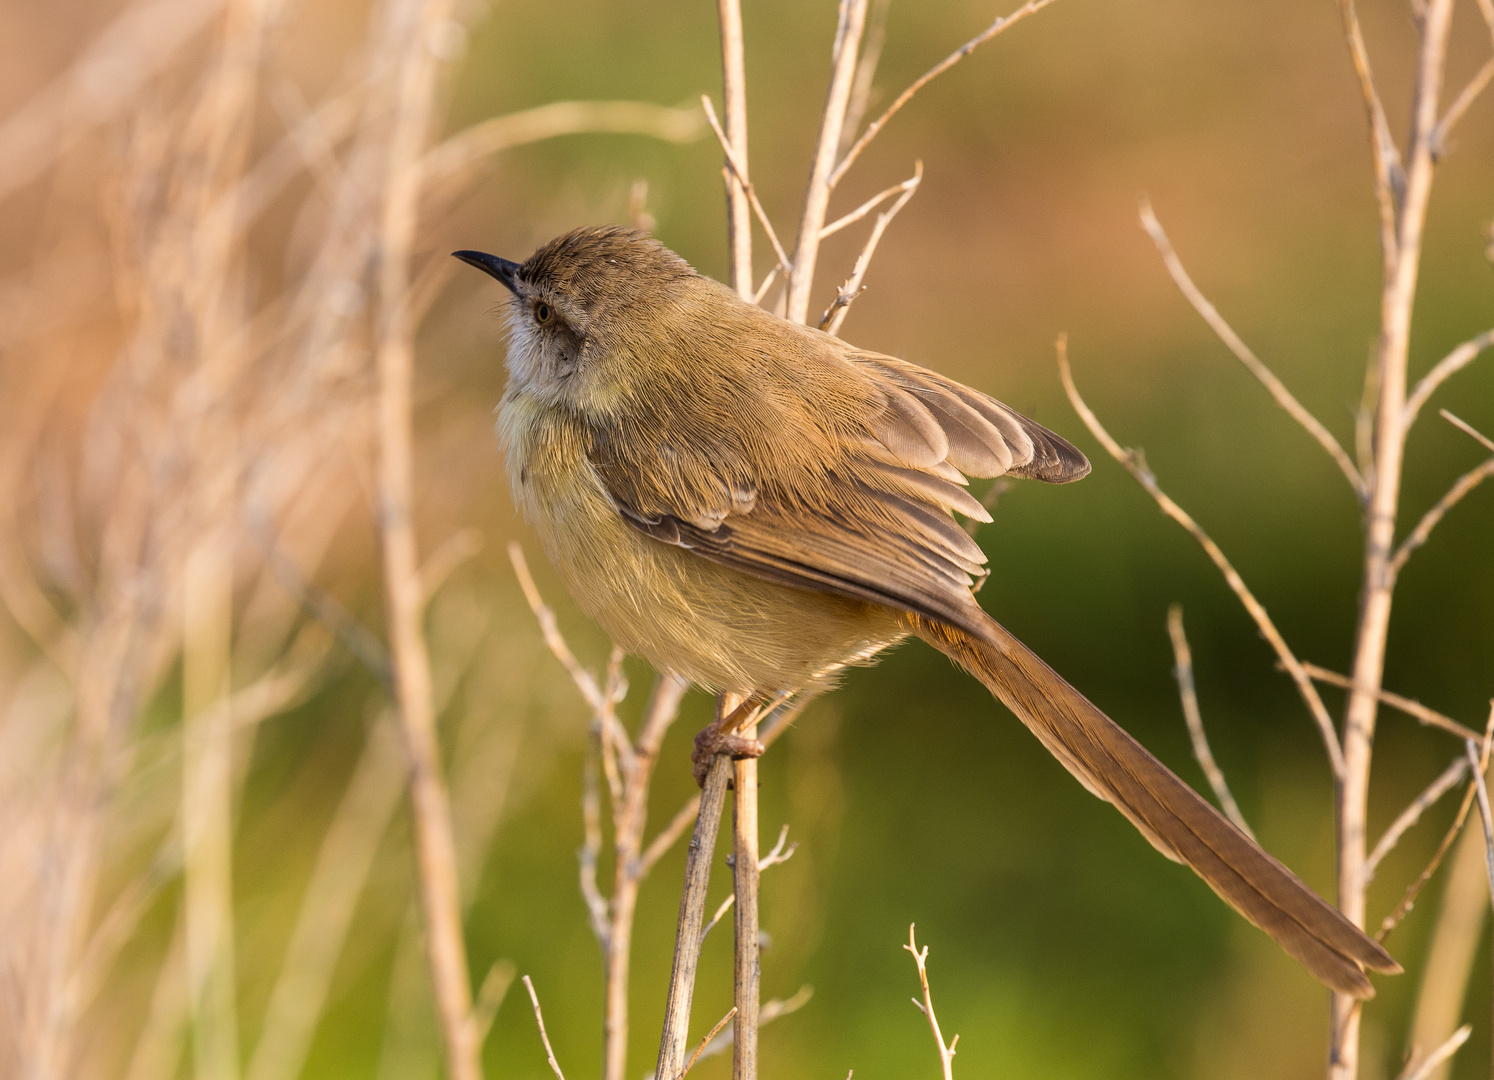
(585, 681)
(779, 854)
(839, 308)
(1468, 429)
(591, 835)
(1429, 521)
(1194, 718)
(771, 1010)
(850, 23)
(1133, 463)
(946, 1053)
(1476, 86)
(934, 72)
(1439, 1055)
(1277, 389)
(700, 1050)
(466, 148)
(1414, 709)
(739, 172)
(1445, 368)
(1408, 900)
(539, 1018)
(1470, 748)
(864, 209)
(1389, 172)
(1448, 779)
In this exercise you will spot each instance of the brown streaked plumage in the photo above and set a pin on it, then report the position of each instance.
(755, 505)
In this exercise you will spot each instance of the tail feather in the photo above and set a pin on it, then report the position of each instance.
(1169, 813)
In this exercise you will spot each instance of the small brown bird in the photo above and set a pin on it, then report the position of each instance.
(754, 505)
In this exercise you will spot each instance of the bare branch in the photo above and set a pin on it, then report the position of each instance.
(1485, 814)
(875, 127)
(466, 148)
(740, 172)
(1390, 177)
(836, 313)
(701, 1049)
(1448, 366)
(585, 681)
(1408, 900)
(1133, 463)
(1448, 779)
(1414, 709)
(1467, 428)
(1243, 353)
(864, 209)
(778, 855)
(946, 1053)
(1194, 718)
(771, 1010)
(1429, 521)
(852, 19)
(1476, 86)
(539, 1018)
(734, 101)
(597, 908)
(1439, 1055)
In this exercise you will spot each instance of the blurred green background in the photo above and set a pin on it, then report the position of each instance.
(1061, 945)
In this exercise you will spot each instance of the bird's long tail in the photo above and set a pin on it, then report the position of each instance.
(1176, 820)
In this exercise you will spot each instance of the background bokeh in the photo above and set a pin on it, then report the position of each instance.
(1061, 944)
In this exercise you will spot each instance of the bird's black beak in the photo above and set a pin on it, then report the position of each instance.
(505, 271)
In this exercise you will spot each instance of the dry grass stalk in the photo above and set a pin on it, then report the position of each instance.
(1183, 656)
(926, 1006)
(539, 1019)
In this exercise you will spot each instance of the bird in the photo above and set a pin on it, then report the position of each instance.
(756, 505)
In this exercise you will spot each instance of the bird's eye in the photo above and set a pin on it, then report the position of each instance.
(542, 313)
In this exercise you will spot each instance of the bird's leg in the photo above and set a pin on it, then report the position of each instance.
(721, 736)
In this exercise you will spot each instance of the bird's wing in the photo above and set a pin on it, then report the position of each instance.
(853, 496)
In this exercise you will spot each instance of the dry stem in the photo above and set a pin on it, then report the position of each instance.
(1243, 353)
(946, 1053)
(539, 1019)
(1194, 718)
(734, 101)
(923, 80)
(840, 307)
(851, 22)
(1448, 779)
(1414, 709)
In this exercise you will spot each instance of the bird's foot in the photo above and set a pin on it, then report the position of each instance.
(714, 740)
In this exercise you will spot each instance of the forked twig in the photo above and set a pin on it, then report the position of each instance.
(872, 129)
(1133, 463)
(926, 1006)
(539, 1018)
(1390, 177)
(778, 855)
(850, 23)
(1439, 1055)
(1243, 353)
(839, 308)
(1444, 369)
(1408, 900)
(1414, 709)
(1194, 718)
(740, 174)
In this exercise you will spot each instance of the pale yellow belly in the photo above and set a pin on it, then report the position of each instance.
(714, 626)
